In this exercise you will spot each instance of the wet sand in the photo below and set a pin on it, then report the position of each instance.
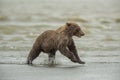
(89, 71)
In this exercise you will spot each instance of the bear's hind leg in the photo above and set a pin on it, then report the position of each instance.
(51, 58)
(32, 55)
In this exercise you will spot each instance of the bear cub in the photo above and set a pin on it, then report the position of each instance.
(60, 39)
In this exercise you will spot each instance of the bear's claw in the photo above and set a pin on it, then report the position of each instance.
(81, 62)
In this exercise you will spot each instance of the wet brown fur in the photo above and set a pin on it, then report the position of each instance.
(61, 39)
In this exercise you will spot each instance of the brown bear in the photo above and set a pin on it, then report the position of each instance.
(61, 39)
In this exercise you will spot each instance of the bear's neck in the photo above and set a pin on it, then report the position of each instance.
(68, 33)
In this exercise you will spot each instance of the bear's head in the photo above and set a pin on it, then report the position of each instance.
(74, 29)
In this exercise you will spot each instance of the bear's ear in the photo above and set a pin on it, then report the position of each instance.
(68, 24)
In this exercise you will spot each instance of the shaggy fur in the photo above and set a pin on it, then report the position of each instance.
(61, 39)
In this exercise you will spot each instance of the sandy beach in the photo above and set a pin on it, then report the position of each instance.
(89, 71)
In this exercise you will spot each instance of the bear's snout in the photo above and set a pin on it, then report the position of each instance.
(82, 34)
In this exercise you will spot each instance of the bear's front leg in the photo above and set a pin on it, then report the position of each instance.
(73, 49)
(68, 54)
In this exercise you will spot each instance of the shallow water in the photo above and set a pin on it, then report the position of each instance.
(92, 71)
(21, 21)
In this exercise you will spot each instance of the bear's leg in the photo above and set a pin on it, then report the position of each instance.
(32, 55)
(68, 54)
(51, 58)
(73, 49)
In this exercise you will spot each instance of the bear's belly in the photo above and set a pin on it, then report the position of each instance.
(47, 48)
